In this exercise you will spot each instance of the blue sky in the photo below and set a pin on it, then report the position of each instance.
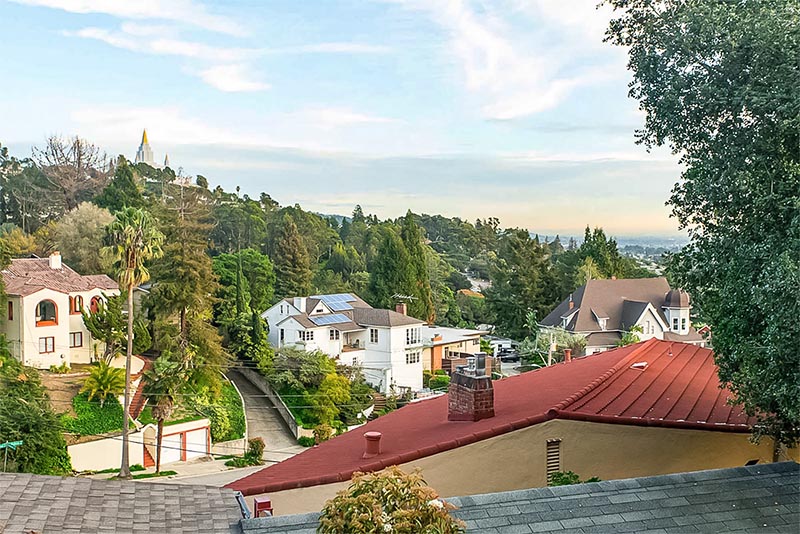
(508, 108)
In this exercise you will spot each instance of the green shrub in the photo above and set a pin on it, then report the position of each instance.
(440, 372)
(566, 478)
(60, 369)
(255, 451)
(439, 382)
(322, 433)
(306, 441)
(226, 414)
(388, 501)
(91, 418)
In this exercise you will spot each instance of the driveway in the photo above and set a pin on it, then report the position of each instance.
(264, 421)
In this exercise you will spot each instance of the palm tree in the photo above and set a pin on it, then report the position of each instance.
(104, 380)
(161, 385)
(131, 239)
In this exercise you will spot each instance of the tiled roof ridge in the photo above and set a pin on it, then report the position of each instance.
(606, 377)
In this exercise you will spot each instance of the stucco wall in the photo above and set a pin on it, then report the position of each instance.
(517, 460)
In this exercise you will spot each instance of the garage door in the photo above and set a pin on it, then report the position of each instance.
(196, 444)
(171, 449)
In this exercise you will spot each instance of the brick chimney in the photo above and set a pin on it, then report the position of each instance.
(470, 398)
(55, 260)
(401, 307)
(567, 355)
(437, 337)
(571, 304)
(373, 444)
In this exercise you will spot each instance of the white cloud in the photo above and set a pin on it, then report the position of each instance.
(329, 117)
(233, 78)
(332, 48)
(180, 11)
(515, 73)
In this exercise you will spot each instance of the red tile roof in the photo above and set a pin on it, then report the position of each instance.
(678, 387)
(26, 276)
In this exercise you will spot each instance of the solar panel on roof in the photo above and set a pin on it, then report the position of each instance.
(322, 320)
(337, 301)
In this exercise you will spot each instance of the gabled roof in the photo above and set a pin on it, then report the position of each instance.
(36, 503)
(609, 298)
(448, 334)
(678, 388)
(380, 317)
(740, 499)
(26, 276)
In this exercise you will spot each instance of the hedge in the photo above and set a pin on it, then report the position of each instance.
(93, 419)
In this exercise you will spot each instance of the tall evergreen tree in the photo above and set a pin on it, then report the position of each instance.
(122, 191)
(292, 265)
(422, 306)
(392, 271)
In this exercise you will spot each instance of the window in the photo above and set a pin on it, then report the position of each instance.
(553, 457)
(306, 335)
(334, 334)
(373, 335)
(75, 339)
(282, 336)
(94, 304)
(47, 344)
(355, 362)
(675, 323)
(476, 341)
(76, 305)
(683, 323)
(412, 336)
(10, 311)
(46, 313)
(412, 357)
(281, 309)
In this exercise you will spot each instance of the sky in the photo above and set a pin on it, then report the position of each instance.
(513, 109)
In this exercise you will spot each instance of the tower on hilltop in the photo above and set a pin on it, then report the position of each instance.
(145, 153)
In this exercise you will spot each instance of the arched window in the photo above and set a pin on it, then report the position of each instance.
(46, 313)
(76, 304)
(94, 304)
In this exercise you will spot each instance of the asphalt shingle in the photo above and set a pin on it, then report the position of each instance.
(728, 504)
(36, 503)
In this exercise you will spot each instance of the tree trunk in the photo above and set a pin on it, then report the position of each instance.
(158, 444)
(124, 470)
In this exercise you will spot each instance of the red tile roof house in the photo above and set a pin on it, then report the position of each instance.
(43, 322)
(651, 408)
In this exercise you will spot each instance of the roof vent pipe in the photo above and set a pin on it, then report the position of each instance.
(373, 444)
(567, 355)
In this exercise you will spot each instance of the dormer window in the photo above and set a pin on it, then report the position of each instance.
(683, 323)
(675, 324)
(603, 323)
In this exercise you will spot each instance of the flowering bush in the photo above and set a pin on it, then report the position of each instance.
(388, 501)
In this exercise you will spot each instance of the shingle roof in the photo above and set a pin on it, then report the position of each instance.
(603, 339)
(36, 503)
(26, 276)
(743, 499)
(607, 298)
(379, 317)
(678, 388)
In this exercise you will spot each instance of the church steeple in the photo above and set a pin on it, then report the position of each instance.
(166, 161)
(144, 137)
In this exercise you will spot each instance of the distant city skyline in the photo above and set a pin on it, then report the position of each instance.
(517, 111)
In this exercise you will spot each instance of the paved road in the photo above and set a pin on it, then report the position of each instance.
(263, 421)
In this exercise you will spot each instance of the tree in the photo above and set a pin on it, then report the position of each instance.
(588, 270)
(523, 281)
(79, 235)
(718, 84)
(122, 190)
(74, 169)
(392, 273)
(107, 324)
(131, 240)
(26, 415)
(18, 243)
(292, 265)
(162, 384)
(631, 336)
(104, 380)
(422, 305)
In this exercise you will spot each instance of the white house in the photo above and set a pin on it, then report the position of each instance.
(386, 344)
(603, 310)
(43, 323)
